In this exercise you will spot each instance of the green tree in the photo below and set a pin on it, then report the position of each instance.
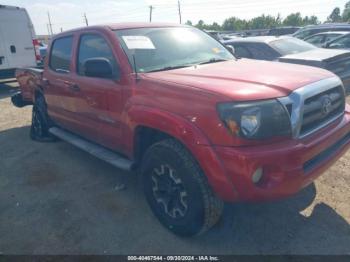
(214, 26)
(346, 12)
(310, 20)
(335, 16)
(200, 24)
(188, 22)
(294, 19)
(234, 24)
(263, 22)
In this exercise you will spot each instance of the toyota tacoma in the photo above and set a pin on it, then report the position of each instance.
(200, 126)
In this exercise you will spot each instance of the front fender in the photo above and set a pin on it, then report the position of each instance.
(190, 136)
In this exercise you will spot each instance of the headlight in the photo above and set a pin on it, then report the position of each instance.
(256, 120)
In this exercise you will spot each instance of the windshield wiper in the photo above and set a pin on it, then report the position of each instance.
(169, 68)
(213, 60)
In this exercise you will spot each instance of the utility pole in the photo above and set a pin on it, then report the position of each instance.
(179, 7)
(50, 24)
(48, 29)
(61, 29)
(150, 12)
(86, 20)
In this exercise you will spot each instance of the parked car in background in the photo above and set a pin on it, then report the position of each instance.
(200, 126)
(285, 30)
(293, 50)
(321, 39)
(310, 30)
(43, 52)
(342, 42)
(18, 44)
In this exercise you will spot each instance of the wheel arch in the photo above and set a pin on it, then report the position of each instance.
(152, 125)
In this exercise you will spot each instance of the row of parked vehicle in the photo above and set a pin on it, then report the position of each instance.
(328, 48)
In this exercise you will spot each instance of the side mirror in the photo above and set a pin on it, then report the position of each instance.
(231, 49)
(98, 67)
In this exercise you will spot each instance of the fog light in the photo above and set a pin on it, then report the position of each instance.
(257, 175)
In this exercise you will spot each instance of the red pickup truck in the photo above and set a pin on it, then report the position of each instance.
(201, 126)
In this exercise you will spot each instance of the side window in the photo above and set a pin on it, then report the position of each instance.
(241, 51)
(262, 51)
(317, 39)
(61, 54)
(330, 37)
(94, 46)
(343, 42)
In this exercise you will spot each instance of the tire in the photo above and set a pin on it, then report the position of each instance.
(39, 130)
(177, 191)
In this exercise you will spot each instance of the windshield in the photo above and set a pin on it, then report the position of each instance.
(303, 33)
(291, 46)
(157, 49)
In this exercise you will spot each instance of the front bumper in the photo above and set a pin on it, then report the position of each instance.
(287, 167)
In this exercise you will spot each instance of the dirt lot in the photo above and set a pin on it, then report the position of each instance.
(56, 199)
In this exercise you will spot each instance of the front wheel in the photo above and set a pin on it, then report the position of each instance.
(177, 190)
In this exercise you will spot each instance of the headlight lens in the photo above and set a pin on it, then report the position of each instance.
(250, 121)
(256, 120)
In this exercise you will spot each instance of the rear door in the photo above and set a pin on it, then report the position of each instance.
(17, 37)
(61, 94)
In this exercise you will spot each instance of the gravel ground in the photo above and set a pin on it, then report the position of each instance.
(56, 199)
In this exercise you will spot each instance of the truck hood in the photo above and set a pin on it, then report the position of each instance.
(317, 55)
(243, 79)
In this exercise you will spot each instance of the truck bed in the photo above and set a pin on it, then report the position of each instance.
(28, 79)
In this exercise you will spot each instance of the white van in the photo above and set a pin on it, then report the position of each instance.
(18, 44)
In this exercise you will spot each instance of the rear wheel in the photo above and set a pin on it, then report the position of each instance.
(177, 190)
(39, 130)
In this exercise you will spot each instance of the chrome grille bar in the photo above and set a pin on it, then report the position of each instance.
(306, 101)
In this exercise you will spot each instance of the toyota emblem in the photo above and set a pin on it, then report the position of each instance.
(326, 105)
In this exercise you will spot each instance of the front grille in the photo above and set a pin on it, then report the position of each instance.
(322, 108)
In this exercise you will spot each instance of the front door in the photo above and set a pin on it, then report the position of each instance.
(95, 108)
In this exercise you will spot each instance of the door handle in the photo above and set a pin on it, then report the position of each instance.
(72, 86)
(46, 82)
(75, 87)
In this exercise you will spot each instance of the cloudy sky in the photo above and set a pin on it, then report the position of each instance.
(67, 14)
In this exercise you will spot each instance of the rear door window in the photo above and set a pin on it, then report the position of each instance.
(61, 54)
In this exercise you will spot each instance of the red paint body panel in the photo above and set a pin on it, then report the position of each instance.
(29, 80)
(245, 79)
(182, 103)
